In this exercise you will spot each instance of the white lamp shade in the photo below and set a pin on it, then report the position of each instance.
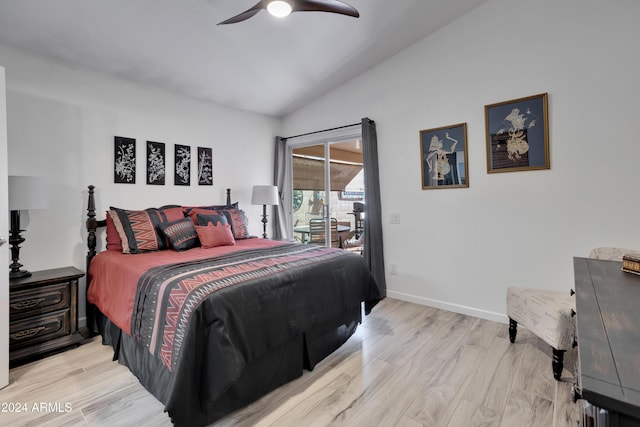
(27, 192)
(264, 195)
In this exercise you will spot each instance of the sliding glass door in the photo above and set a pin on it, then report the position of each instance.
(345, 199)
(327, 178)
(311, 202)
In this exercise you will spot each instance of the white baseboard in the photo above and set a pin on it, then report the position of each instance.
(456, 308)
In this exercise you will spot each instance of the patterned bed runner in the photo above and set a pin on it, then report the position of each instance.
(167, 296)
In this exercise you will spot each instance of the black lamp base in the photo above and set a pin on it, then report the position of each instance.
(15, 239)
(264, 221)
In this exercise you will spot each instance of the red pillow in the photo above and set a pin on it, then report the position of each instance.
(173, 214)
(114, 242)
(211, 236)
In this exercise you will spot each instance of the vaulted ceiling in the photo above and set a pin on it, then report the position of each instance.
(265, 64)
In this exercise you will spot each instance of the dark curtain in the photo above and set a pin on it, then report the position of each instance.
(281, 227)
(373, 247)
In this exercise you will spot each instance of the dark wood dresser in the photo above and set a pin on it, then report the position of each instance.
(43, 313)
(608, 330)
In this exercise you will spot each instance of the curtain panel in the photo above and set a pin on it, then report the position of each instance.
(282, 179)
(373, 242)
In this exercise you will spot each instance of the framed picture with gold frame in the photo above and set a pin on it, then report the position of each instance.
(517, 134)
(443, 155)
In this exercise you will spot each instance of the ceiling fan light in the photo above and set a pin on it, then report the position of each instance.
(279, 8)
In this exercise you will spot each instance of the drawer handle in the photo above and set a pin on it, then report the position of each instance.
(23, 305)
(27, 333)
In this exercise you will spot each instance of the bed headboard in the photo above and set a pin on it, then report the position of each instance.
(93, 224)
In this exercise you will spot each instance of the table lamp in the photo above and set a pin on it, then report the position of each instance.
(264, 195)
(25, 193)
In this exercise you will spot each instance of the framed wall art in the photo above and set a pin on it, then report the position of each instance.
(182, 171)
(517, 134)
(124, 160)
(205, 166)
(156, 163)
(443, 155)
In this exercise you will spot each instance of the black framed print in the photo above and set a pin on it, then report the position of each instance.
(124, 160)
(155, 163)
(517, 133)
(182, 171)
(443, 153)
(205, 166)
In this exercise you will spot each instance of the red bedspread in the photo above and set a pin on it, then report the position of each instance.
(114, 275)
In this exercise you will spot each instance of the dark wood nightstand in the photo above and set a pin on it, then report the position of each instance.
(43, 313)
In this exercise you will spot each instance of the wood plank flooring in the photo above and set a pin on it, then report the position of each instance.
(407, 365)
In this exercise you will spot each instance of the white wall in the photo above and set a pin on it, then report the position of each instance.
(4, 247)
(61, 125)
(461, 248)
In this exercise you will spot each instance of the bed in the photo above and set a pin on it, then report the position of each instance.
(208, 330)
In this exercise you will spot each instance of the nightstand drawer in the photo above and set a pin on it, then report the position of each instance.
(39, 329)
(43, 313)
(42, 300)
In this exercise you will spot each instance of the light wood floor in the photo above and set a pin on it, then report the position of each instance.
(407, 365)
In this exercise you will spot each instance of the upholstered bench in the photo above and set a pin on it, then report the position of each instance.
(548, 314)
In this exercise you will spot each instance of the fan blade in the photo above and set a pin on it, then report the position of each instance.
(244, 15)
(333, 6)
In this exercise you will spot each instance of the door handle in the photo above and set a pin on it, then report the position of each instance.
(2, 241)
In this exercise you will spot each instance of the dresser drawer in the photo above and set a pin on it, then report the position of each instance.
(39, 329)
(45, 299)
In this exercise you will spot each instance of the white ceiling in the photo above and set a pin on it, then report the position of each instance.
(265, 64)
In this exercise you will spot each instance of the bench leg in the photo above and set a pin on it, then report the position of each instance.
(513, 329)
(557, 363)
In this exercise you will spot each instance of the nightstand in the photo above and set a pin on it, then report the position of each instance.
(43, 313)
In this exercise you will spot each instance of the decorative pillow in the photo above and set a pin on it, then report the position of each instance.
(114, 242)
(137, 229)
(172, 213)
(211, 236)
(202, 219)
(194, 212)
(181, 234)
(238, 221)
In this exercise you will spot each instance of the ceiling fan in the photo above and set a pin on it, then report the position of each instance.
(282, 8)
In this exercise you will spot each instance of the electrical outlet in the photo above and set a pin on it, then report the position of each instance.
(395, 218)
(393, 269)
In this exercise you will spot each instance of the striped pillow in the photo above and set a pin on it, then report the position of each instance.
(138, 229)
(181, 234)
(238, 221)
